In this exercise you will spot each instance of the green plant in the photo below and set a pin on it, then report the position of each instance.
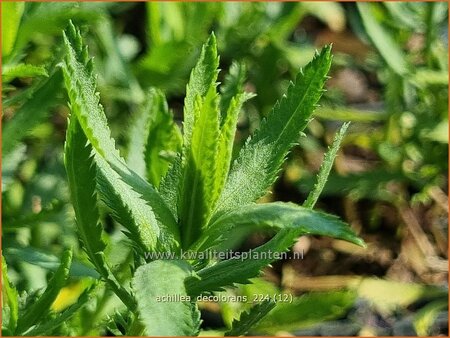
(180, 193)
(200, 201)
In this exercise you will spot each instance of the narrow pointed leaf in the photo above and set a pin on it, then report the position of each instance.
(200, 137)
(233, 271)
(325, 168)
(279, 215)
(162, 317)
(164, 138)
(231, 102)
(64, 316)
(170, 185)
(259, 161)
(306, 310)
(203, 77)
(249, 319)
(80, 85)
(129, 207)
(22, 70)
(85, 101)
(154, 138)
(233, 85)
(198, 195)
(11, 16)
(42, 306)
(81, 174)
(291, 220)
(81, 171)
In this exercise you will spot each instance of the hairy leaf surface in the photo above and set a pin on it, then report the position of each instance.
(198, 194)
(203, 78)
(279, 215)
(80, 84)
(81, 173)
(165, 318)
(258, 162)
(225, 142)
(129, 207)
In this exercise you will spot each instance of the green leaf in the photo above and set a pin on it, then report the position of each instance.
(80, 85)
(249, 319)
(10, 72)
(31, 113)
(259, 161)
(225, 144)
(198, 195)
(203, 78)
(233, 85)
(169, 185)
(164, 138)
(381, 38)
(293, 220)
(231, 102)
(306, 310)
(130, 208)
(11, 15)
(159, 279)
(118, 322)
(54, 323)
(81, 174)
(84, 100)
(47, 261)
(278, 215)
(42, 305)
(201, 133)
(81, 171)
(137, 139)
(325, 168)
(10, 303)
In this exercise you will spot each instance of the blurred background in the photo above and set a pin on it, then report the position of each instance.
(390, 180)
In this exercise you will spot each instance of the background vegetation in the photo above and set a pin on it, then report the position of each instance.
(389, 77)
